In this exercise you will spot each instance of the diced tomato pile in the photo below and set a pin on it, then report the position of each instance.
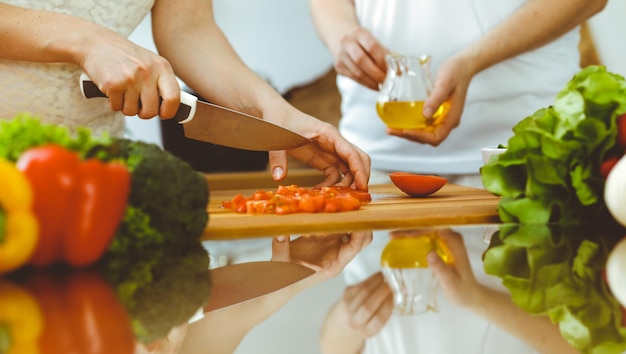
(294, 199)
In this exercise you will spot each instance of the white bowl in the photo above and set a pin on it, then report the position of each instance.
(488, 152)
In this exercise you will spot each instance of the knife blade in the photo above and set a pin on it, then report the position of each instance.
(219, 125)
(236, 283)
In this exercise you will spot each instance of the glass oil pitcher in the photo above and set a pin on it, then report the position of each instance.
(401, 96)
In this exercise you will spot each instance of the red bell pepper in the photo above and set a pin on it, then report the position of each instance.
(79, 204)
(81, 314)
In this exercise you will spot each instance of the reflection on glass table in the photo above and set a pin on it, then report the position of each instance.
(221, 330)
(502, 289)
(121, 305)
(524, 289)
(405, 268)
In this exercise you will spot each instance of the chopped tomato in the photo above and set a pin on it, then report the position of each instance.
(259, 207)
(238, 203)
(294, 199)
(311, 203)
(262, 195)
(360, 195)
(341, 202)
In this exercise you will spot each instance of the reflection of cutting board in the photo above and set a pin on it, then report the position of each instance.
(389, 209)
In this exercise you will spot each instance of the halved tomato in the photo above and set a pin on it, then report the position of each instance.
(417, 185)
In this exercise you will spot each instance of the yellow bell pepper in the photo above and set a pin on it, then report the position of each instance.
(18, 225)
(21, 320)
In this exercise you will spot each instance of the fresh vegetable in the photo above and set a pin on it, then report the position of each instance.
(615, 265)
(607, 166)
(25, 131)
(80, 309)
(615, 192)
(21, 320)
(79, 204)
(621, 129)
(149, 283)
(557, 271)
(168, 199)
(417, 185)
(294, 199)
(18, 225)
(551, 169)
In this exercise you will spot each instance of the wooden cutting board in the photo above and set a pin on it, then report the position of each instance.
(389, 209)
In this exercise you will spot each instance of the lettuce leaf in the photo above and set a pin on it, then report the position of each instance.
(550, 172)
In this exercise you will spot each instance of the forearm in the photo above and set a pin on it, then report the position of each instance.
(537, 331)
(336, 336)
(204, 59)
(533, 25)
(44, 36)
(333, 20)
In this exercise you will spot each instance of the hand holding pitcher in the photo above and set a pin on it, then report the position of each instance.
(447, 96)
(403, 93)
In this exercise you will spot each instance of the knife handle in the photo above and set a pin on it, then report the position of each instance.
(185, 113)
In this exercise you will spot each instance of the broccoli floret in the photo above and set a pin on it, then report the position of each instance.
(167, 189)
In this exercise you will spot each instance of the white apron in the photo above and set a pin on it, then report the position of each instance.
(497, 99)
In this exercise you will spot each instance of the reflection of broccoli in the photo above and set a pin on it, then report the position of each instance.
(161, 289)
(166, 189)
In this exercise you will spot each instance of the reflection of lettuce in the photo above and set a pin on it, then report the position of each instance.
(558, 272)
(550, 171)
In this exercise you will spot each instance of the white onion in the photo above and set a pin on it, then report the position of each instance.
(615, 191)
(616, 271)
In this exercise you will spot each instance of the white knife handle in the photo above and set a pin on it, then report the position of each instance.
(186, 109)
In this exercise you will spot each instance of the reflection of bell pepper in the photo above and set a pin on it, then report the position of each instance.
(79, 204)
(18, 225)
(20, 320)
(82, 314)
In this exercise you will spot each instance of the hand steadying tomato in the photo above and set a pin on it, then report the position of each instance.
(79, 204)
(294, 199)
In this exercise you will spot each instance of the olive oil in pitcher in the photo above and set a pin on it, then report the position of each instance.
(408, 114)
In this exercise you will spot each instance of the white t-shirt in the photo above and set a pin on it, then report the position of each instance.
(51, 91)
(497, 99)
(451, 330)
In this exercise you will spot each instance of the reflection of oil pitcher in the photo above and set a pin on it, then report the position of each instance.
(404, 265)
(401, 98)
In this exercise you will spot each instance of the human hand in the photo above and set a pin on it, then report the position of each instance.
(368, 305)
(171, 344)
(456, 279)
(134, 79)
(327, 254)
(451, 85)
(341, 162)
(361, 57)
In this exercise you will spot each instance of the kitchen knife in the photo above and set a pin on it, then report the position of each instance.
(236, 283)
(220, 125)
